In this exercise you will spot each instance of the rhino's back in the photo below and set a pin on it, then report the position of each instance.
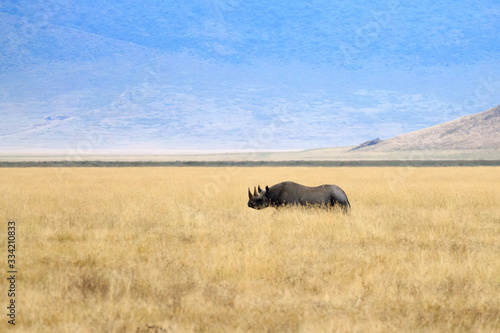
(292, 192)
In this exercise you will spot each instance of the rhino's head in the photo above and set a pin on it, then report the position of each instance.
(258, 200)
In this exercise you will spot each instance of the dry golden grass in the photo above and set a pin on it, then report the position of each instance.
(117, 249)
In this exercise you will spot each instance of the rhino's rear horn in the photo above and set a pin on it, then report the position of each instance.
(258, 188)
(249, 194)
(254, 191)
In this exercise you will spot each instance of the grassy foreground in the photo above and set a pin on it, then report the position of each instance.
(126, 249)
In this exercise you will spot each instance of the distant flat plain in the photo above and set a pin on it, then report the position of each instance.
(322, 154)
(118, 249)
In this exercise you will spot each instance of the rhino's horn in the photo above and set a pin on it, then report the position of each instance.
(254, 191)
(249, 194)
(260, 190)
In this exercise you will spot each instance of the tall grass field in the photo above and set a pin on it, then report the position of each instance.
(178, 250)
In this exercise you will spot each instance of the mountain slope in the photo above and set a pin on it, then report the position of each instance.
(477, 131)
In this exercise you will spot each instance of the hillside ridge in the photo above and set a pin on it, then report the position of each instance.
(476, 131)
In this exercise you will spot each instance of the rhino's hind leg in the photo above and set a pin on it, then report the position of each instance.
(346, 209)
(344, 205)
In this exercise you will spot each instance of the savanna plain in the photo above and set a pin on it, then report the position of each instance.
(177, 250)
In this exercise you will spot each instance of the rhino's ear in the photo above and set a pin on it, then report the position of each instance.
(260, 190)
(254, 191)
(249, 193)
(267, 188)
(267, 192)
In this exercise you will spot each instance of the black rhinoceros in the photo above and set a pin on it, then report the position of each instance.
(290, 193)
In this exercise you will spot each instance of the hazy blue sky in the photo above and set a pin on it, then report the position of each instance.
(268, 75)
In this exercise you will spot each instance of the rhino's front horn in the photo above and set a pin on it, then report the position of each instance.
(254, 191)
(249, 194)
(258, 188)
